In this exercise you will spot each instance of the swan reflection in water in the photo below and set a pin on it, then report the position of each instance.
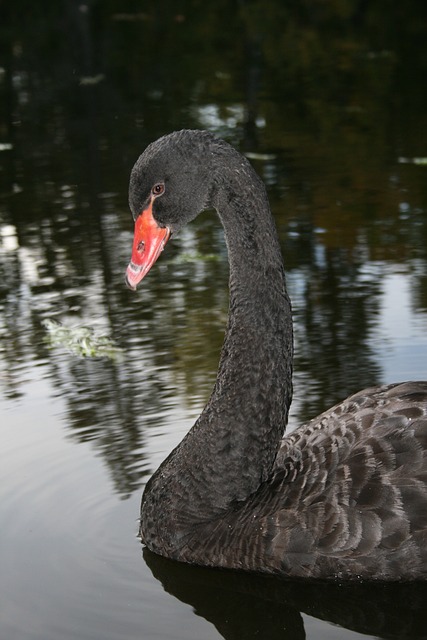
(247, 606)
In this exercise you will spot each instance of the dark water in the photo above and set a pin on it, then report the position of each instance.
(330, 102)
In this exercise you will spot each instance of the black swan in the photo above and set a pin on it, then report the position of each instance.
(342, 497)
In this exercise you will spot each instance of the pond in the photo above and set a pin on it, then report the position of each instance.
(97, 383)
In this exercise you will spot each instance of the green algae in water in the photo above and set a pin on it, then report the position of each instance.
(81, 341)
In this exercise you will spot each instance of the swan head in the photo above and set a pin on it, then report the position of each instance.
(170, 184)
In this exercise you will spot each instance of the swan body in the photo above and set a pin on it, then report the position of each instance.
(342, 497)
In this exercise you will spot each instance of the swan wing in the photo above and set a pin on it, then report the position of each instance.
(348, 492)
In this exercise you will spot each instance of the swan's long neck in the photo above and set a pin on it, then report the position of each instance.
(253, 391)
(231, 448)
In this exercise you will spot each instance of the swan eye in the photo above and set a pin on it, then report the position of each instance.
(158, 189)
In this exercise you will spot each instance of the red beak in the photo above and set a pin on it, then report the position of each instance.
(148, 243)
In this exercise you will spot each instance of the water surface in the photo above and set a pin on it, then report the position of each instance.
(329, 104)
